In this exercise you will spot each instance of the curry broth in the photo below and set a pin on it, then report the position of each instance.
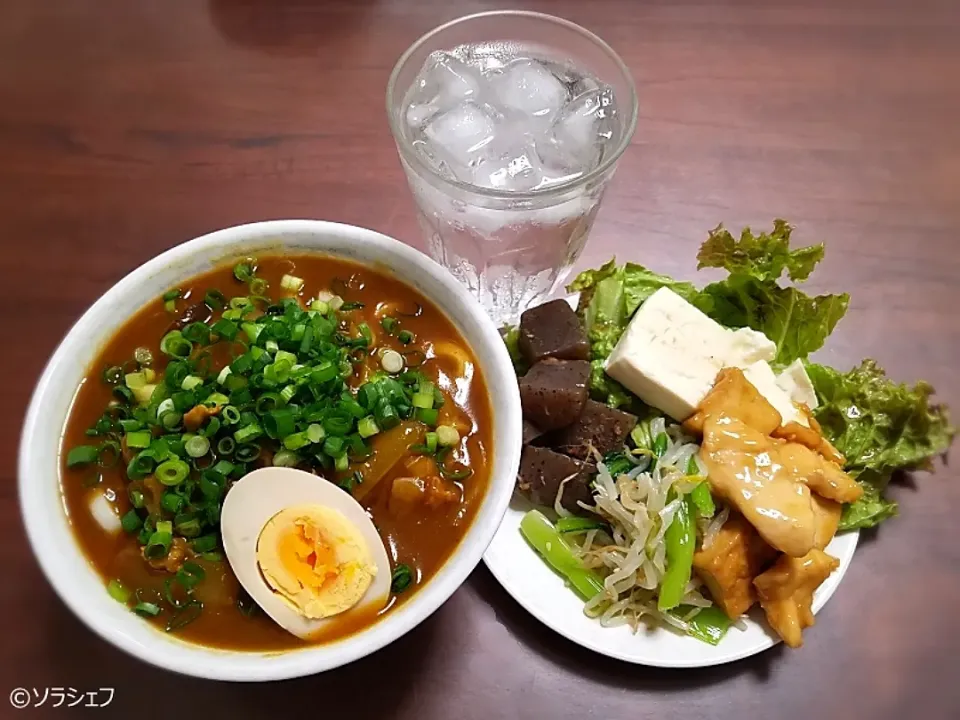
(422, 540)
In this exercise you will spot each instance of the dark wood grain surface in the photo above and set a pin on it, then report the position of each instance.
(128, 126)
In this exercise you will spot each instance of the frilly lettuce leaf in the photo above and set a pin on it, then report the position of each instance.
(798, 323)
(877, 424)
(764, 257)
(881, 427)
(752, 297)
(872, 508)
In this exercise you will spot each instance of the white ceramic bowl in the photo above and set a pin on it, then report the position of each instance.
(77, 582)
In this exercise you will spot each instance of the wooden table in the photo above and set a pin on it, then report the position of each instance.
(128, 126)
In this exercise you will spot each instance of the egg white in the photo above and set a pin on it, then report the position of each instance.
(260, 495)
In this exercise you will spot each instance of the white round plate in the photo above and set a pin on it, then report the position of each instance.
(544, 594)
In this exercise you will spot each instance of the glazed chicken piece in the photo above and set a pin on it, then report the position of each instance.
(786, 592)
(768, 479)
(734, 396)
(811, 436)
(730, 563)
(744, 468)
(827, 513)
(820, 475)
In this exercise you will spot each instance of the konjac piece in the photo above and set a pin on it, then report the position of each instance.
(542, 471)
(786, 592)
(729, 564)
(598, 428)
(554, 391)
(552, 330)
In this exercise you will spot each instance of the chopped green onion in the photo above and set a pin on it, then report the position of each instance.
(131, 521)
(214, 299)
(175, 345)
(367, 427)
(172, 472)
(291, 283)
(248, 433)
(204, 544)
(431, 440)
(139, 440)
(82, 455)
(426, 416)
(243, 271)
(278, 423)
(341, 463)
(447, 436)
(191, 382)
(320, 306)
(315, 433)
(258, 286)
(286, 458)
(401, 578)
(185, 615)
(118, 592)
(171, 502)
(334, 446)
(226, 329)
(158, 545)
(295, 441)
(172, 295)
(197, 446)
(226, 446)
(406, 337)
(423, 400)
(147, 609)
(230, 415)
(389, 324)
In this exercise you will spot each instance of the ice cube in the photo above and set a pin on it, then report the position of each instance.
(515, 168)
(443, 82)
(461, 134)
(581, 129)
(529, 88)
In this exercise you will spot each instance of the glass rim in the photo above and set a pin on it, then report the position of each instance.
(412, 158)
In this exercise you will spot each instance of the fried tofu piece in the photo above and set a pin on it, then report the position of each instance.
(734, 396)
(731, 562)
(786, 592)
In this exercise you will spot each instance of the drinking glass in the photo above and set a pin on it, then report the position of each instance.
(511, 249)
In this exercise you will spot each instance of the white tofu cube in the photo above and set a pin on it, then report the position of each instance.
(761, 376)
(750, 346)
(670, 354)
(795, 382)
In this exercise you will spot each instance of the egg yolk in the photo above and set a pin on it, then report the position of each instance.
(315, 559)
(307, 556)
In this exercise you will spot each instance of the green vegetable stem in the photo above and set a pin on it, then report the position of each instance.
(545, 539)
(680, 539)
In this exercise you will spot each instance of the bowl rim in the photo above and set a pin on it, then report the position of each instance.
(195, 660)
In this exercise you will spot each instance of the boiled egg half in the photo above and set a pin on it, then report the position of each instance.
(303, 549)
